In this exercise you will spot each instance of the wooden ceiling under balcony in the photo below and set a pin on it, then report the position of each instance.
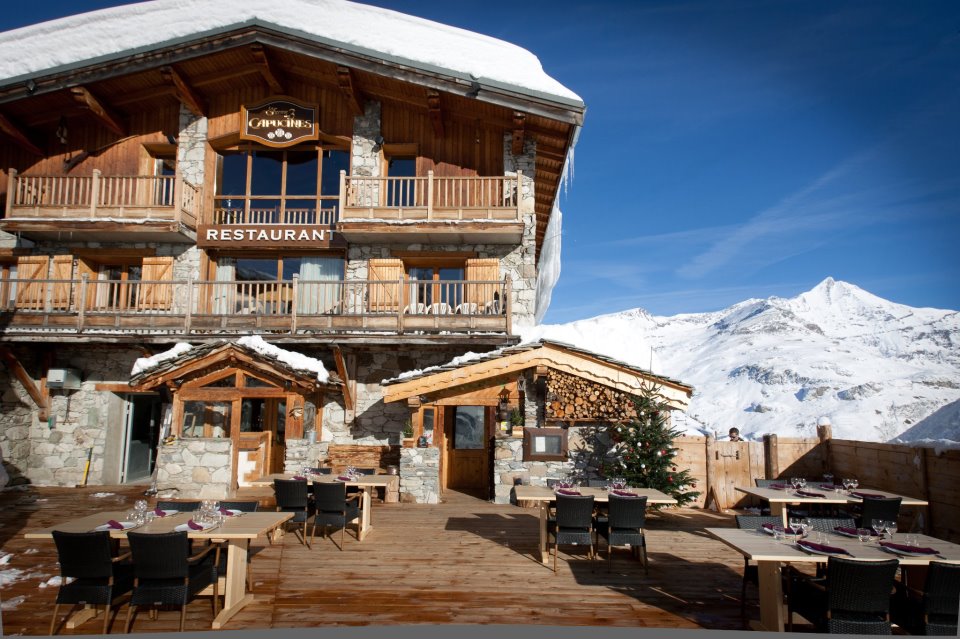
(257, 62)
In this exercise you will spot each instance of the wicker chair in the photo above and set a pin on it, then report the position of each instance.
(243, 506)
(854, 597)
(166, 574)
(98, 577)
(334, 508)
(626, 518)
(293, 497)
(885, 508)
(751, 573)
(182, 506)
(932, 611)
(574, 523)
(827, 524)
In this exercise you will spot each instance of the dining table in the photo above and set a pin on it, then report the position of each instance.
(366, 483)
(544, 497)
(236, 531)
(780, 498)
(771, 554)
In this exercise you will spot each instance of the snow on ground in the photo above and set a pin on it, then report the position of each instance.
(80, 39)
(146, 363)
(297, 361)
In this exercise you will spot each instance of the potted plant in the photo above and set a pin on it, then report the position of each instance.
(516, 422)
(408, 440)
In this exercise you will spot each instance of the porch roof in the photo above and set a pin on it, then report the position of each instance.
(543, 353)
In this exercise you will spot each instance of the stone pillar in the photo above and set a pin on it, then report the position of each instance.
(507, 466)
(191, 147)
(366, 159)
(420, 475)
(521, 264)
(195, 468)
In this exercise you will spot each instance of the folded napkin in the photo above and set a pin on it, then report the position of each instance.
(113, 523)
(299, 478)
(159, 512)
(866, 495)
(227, 512)
(623, 493)
(833, 550)
(910, 549)
(567, 491)
(344, 478)
(852, 531)
(807, 493)
(767, 526)
(194, 525)
(827, 486)
(777, 486)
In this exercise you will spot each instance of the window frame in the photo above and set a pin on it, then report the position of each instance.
(547, 431)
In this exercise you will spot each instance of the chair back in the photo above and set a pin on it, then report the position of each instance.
(367, 471)
(574, 511)
(159, 555)
(942, 589)
(627, 512)
(596, 483)
(886, 508)
(320, 470)
(860, 586)
(753, 522)
(242, 506)
(330, 497)
(84, 555)
(291, 494)
(182, 506)
(827, 524)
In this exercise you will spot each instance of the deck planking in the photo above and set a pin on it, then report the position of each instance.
(465, 561)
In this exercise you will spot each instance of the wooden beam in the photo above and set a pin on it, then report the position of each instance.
(350, 90)
(516, 143)
(267, 71)
(105, 387)
(13, 131)
(433, 110)
(35, 392)
(101, 112)
(342, 372)
(184, 92)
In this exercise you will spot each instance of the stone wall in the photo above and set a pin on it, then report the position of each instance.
(303, 452)
(521, 264)
(194, 468)
(420, 475)
(191, 146)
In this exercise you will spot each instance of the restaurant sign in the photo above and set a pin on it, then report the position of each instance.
(274, 236)
(279, 122)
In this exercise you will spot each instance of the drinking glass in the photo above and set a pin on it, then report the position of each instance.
(140, 505)
(863, 534)
(911, 540)
(890, 527)
(805, 527)
(795, 482)
(828, 478)
(854, 483)
(802, 482)
(877, 525)
(779, 534)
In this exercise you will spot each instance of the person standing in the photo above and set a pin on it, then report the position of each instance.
(735, 435)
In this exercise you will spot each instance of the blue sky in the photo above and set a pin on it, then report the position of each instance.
(737, 149)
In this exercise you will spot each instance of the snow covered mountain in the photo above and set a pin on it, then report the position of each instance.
(873, 367)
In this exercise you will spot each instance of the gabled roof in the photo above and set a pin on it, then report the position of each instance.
(474, 368)
(109, 34)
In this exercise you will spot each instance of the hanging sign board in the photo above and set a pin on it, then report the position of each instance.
(279, 122)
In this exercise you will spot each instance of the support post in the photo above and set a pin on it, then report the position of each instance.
(11, 191)
(94, 192)
(188, 311)
(36, 393)
(293, 301)
(825, 434)
(771, 465)
(400, 305)
(84, 281)
(343, 193)
(710, 456)
(430, 195)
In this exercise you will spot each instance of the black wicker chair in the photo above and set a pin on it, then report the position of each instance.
(751, 573)
(182, 506)
(242, 506)
(854, 597)
(166, 574)
(574, 523)
(626, 518)
(932, 611)
(827, 524)
(98, 577)
(765, 483)
(334, 508)
(293, 496)
(885, 508)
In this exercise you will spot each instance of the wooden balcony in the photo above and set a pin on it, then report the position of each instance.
(431, 209)
(102, 208)
(293, 307)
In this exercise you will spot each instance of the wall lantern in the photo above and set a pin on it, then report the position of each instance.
(503, 407)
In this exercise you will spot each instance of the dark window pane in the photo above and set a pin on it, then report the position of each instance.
(233, 179)
(468, 430)
(451, 290)
(254, 270)
(402, 167)
(291, 267)
(264, 212)
(267, 173)
(300, 212)
(301, 173)
(334, 161)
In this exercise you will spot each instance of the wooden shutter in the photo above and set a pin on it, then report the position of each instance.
(30, 295)
(483, 295)
(384, 276)
(62, 270)
(156, 288)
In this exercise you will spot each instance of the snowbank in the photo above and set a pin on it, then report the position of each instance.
(147, 363)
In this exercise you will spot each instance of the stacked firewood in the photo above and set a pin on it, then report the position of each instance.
(575, 398)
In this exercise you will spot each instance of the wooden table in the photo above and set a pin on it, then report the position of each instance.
(771, 554)
(366, 483)
(236, 531)
(779, 499)
(544, 496)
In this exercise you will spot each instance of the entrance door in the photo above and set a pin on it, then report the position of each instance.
(467, 436)
(141, 432)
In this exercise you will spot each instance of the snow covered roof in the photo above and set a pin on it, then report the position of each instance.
(107, 34)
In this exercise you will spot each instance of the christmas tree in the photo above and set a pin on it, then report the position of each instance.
(645, 455)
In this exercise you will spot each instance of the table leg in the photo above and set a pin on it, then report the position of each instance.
(235, 595)
(771, 597)
(779, 509)
(83, 615)
(365, 524)
(544, 508)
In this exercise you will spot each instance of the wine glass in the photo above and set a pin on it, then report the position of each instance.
(877, 525)
(802, 483)
(890, 527)
(795, 526)
(140, 505)
(805, 527)
(795, 482)
(864, 534)
(854, 483)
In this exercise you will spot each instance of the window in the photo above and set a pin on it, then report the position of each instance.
(265, 284)
(469, 428)
(427, 425)
(545, 444)
(431, 285)
(294, 186)
(401, 189)
(206, 419)
(8, 285)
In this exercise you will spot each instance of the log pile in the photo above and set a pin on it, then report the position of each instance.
(577, 399)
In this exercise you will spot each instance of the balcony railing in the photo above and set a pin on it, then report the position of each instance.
(430, 198)
(325, 217)
(158, 197)
(241, 307)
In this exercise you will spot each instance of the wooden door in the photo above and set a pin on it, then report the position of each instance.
(274, 422)
(467, 449)
(734, 464)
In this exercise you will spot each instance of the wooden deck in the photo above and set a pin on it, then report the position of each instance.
(462, 562)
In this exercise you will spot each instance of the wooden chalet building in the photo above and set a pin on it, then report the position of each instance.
(365, 189)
